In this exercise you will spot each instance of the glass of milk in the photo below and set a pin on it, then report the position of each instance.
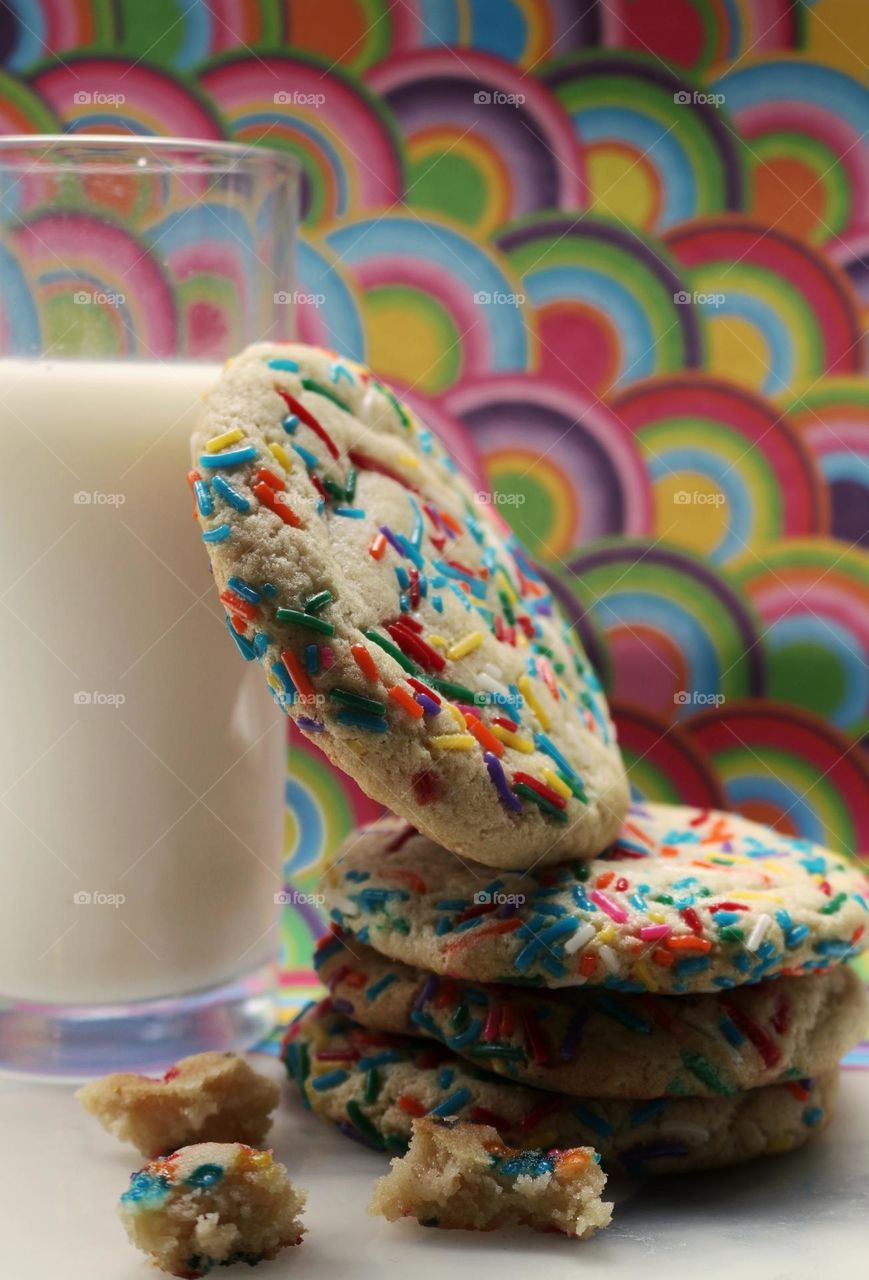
(141, 761)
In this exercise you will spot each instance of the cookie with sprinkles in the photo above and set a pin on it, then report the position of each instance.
(608, 1043)
(685, 900)
(397, 620)
(373, 1085)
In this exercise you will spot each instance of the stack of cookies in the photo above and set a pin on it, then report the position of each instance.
(515, 947)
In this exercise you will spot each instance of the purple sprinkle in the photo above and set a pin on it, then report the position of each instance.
(429, 987)
(341, 1006)
(350, 1132)
(429, 706)
(508, 910)
(567, 1048)
(496, 773)
(391, 539)
(312, 726)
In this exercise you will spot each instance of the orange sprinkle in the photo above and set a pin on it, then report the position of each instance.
(638, 833)
(364, 661)
(484, 735)
(573, 1160)
(267, 496)
(662, 957)
(450, 521)
(405, 701)
(378, 546)
(355, 979)
(238, 624)
(269, 478)
(411, 1105)
(297, 674)
(468, 939)
(687, 942)
(602, 881)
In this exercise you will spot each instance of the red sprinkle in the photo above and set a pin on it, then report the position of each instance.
(274, 502)
(415, 647)
(237, 605)
(309, 420)
(764, 1043)
(693, 921)
(364, 463)
(411, 1106)
(269, 477)
(548, 794)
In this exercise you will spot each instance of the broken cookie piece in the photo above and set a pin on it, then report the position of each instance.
(462, 1175)
(210, 1097)
(210, 1205)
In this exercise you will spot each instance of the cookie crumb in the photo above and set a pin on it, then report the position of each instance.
(210, 1205)
(209, 1097)
(461, 1175)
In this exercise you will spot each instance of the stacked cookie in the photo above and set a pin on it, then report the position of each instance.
(665, 984)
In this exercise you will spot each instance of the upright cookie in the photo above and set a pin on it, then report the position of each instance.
(592, 1041)
(398, 622)
(686, 900)
(372, 1085)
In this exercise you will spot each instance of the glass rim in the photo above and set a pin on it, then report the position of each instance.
(238, 155)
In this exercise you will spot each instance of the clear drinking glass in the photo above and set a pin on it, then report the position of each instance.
(141, 762)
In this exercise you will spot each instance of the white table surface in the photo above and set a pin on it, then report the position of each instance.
(803, 1216)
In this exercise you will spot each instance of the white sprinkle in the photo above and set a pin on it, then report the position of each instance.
(609, 958)
(579, 939)
(758, 932)
(488, 682)
(495, 672)
(344, 905)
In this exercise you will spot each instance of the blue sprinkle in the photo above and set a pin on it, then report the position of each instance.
(378, 1059)
(269, 590)
(451, 1104)
(359, 720)
(203, 497)
(230, 495)
(402, 576)
(278, 669)
(468, 1036)
(206, 1175)
(231, 458)
(645, 1111)
(244, 589)
(731, 1033)
(592, 1121)
(723, 918)
(220, 534)
(445, 1079)
(352, 513)
(290, 423)
(437, 604)
(312, 659)
(329, 1080)
(285, 366)
(444, 925)
(146, 1187)
(812, 1116)
(261, 644)
(310, 459)
(795, 935)
(377, 988)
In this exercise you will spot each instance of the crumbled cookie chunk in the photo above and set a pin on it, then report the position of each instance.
(210, 1205)
(463, 1176)
(210, 1097)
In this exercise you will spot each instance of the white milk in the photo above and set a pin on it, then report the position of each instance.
(141, 761)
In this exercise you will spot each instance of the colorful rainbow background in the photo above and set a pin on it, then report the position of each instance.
(618, 252)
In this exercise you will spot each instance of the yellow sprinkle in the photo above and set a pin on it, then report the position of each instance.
(275, 683)
(511, 739)
(527, 690)
(607, 934)
(644, 972)
(456, 714)
(453, 742)
(280, 454)
(508, 587)
(466, 645)
(522, 641)
(408, 460)
(220, 442)
(657, 917)
(556, 784)
(439, 642)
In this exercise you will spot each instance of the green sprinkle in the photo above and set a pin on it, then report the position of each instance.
(400, 925)
(457, 691)
(305, 620)
(373, 1085)
(507, 607)
(315, 603)
(334, 490)
(350, 484)
(394, 652)
(355, 700)
(575, 786)
(363, 1124)
(528, 793)
(395, 402)
(317, 387)
(512, 1052)
(731, 933)
(665, 898)
(834, 904)
(460, 1017)
(703, 1069)
(395, 1142)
